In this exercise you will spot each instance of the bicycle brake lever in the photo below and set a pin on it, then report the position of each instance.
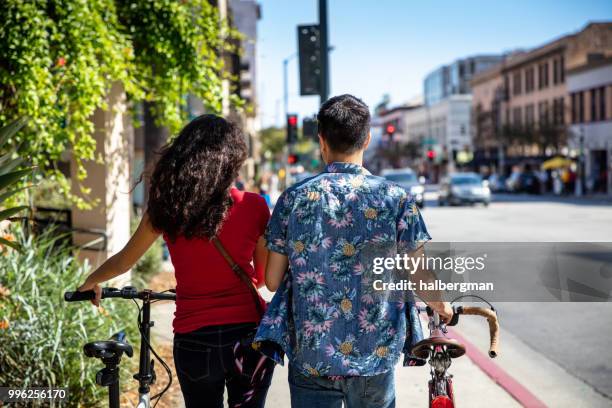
(455, 319)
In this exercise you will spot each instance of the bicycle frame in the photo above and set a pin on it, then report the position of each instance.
(441, 393)
(439, 350)
(110, 352)
(146, 372)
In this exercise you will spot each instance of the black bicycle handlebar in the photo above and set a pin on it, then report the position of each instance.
(127, 292)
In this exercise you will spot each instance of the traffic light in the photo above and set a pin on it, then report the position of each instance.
(390, 129)
(309, 128)
(431, 155)
(292, 159)
(292, 121)
(309, 53)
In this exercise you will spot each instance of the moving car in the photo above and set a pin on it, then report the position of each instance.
(464, 188)
(408, 180)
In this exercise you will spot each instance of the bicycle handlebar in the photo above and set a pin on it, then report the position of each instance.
(127, 292)
(487, 313)
(491, 317)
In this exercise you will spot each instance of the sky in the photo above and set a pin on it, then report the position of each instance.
(389, 46)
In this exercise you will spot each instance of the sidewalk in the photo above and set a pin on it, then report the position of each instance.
(472, 387)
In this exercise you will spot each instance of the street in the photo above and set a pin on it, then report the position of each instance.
(572, 335)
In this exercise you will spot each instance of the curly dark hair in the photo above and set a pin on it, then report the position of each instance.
(189, 190)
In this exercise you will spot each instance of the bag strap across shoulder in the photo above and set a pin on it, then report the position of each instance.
(237, 269)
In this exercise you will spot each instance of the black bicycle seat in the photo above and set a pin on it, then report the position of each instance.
(423, 347)
(107, 349)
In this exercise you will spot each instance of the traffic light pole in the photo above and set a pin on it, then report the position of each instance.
(288, 149)
(324, 86)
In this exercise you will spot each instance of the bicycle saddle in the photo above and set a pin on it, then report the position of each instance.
(423, 347)
(114, 347)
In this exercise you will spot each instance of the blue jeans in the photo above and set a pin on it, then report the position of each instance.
(356, 392)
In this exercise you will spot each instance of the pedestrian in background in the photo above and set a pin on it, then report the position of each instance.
(341, 341)
(207, 224)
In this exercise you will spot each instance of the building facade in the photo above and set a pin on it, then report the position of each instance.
(590, 94)
(443, 128)
(454, 79)
(522, 107)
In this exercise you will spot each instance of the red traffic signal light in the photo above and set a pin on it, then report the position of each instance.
(292, 120)
(390, 129)
(431, 154)
(292, 159)
(292, 128)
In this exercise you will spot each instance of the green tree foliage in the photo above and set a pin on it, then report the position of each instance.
(273, 140)
(58, 59)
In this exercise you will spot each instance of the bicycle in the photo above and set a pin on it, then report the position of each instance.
(110, 351)
(439, 350)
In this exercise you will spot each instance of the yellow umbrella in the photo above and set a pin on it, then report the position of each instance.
(556, 163)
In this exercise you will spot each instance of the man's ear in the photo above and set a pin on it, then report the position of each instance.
(367, 141)
(322, 144)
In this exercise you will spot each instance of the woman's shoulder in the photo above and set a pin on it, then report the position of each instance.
(246, 198)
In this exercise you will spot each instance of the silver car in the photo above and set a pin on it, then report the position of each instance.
(464, 188)
(407, 179)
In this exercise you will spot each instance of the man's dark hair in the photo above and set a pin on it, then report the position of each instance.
(344, 123)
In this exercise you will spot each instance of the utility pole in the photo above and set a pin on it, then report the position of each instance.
(324, 86)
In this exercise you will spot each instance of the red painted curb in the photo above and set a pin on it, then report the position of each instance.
(497, 374)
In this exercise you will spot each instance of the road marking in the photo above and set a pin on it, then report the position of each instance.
(497, 374)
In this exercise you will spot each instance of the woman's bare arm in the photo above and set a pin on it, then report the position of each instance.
(123, 260)
(260, 258)
(275, 270)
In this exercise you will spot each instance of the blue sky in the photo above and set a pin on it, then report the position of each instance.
(388, 46)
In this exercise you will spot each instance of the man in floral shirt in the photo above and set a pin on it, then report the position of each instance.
(342, 342)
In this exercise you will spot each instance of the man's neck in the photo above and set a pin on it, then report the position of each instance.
(356, 158)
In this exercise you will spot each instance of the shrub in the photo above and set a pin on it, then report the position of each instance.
(42, 337)
(150, 263)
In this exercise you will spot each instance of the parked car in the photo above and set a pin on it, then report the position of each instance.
(464, 188)
(523, 182)
(497, 183)
(408, 180)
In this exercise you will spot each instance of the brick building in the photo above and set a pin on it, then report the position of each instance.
(522, 107)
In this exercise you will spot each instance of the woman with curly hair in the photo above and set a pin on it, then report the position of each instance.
(194, 206)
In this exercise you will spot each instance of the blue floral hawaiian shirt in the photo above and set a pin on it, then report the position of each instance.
(321, 316)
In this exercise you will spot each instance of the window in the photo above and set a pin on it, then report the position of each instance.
(561, 69)
(594, 110)
(517, 116)
(558, 111)
(543, 75)
(516, 83)
(558, 70)
(529, 79)
(543, 114)
(529, 115)
(602, 103)
(578, 107)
